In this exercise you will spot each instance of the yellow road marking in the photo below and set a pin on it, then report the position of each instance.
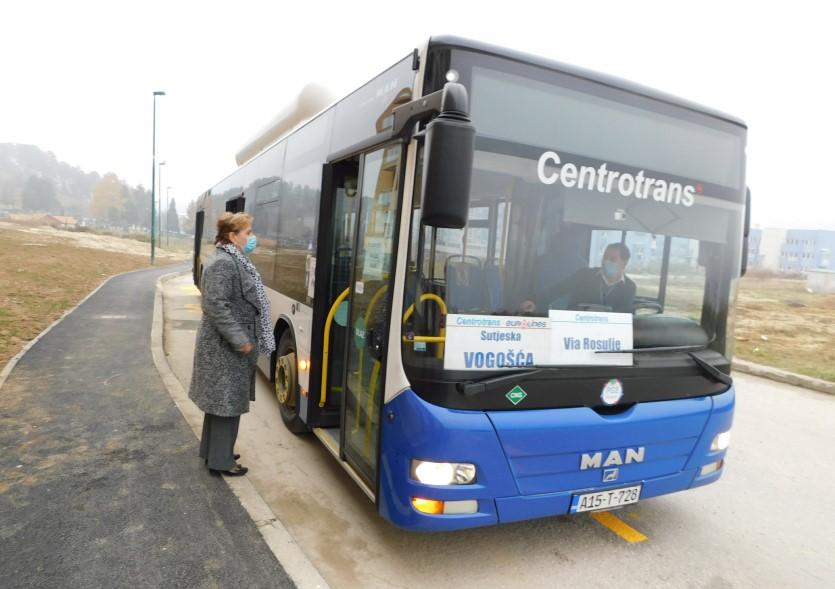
(188, 288)
(618, 526)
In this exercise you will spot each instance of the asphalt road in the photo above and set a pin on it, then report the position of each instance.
(769, 522)
(100, 483)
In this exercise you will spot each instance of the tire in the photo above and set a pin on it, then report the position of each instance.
(286, 384)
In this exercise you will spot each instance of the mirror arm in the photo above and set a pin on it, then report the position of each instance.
(419, 110)
(451, 100)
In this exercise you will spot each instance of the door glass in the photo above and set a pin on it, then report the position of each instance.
(345, 207)
(369, 302)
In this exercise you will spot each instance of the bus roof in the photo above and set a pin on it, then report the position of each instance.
(605, 79)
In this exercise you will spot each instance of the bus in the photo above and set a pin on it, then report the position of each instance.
(422, 241)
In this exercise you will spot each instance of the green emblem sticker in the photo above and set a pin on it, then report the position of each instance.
(516, 395)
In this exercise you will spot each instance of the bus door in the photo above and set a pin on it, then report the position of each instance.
(343, 225)
(359, 366)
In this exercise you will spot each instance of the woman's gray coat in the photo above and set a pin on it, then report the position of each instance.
(223, 380)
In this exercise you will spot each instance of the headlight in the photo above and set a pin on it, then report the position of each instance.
(443, 473)
(721, 441)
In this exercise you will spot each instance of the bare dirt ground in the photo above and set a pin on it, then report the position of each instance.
(45, 271)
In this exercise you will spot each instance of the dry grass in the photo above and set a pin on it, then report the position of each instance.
(42, 274)
(779, 323)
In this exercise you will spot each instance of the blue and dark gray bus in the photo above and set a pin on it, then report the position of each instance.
(502, 287)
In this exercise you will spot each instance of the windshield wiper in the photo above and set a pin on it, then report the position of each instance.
(695, 348)
(707, 367)
(711, 370)
(474, 387)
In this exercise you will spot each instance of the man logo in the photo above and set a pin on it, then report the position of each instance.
(610, 475)
(613, 458)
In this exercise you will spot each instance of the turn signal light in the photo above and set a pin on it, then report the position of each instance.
(711, 468)
(430, 506)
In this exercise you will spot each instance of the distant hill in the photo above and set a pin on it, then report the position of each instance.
(35, 180)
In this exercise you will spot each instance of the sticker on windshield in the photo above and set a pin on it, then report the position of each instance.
(516, 395)
(601, 179)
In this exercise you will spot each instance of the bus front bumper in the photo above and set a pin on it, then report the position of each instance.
(505, 489)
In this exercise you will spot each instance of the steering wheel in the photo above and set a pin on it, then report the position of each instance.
(649, 305)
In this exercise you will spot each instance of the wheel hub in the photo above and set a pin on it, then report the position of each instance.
(285, 379)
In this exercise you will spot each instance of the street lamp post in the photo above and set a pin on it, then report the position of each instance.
(168, 210)
(159, 212)
(154, 170)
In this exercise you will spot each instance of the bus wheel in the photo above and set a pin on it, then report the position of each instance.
(286, 384)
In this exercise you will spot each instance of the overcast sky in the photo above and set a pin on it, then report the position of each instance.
(77, 77)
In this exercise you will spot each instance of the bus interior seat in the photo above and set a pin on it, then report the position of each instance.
(563, 256)
(465, 284)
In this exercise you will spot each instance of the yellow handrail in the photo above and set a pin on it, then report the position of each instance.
(323, 396)
(427, 296)
(360, 361)
(369, 405)
(431, 339)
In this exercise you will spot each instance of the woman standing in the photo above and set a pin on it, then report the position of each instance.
(235, 325)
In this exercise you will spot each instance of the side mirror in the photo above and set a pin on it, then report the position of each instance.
(448, 162)
(745, 232)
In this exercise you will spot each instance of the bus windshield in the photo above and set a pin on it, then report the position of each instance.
(583, 197)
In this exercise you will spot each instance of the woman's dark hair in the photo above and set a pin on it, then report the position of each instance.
(231, 223)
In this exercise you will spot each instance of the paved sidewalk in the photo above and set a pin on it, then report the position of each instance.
(100, 484)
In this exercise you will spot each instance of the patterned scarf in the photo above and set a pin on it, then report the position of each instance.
(266, 339)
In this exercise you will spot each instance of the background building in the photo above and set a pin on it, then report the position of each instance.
(791, 250)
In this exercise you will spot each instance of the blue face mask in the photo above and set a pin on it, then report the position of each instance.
(251, 242)
(610, 269)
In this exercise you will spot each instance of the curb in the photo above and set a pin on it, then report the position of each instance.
(16, 358)
(784, 376)
(282, 544)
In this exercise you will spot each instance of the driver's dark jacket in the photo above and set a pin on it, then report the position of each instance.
(586, 286)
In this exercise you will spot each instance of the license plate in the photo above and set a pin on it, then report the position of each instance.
(605, 499)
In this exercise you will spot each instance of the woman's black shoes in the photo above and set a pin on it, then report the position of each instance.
(235, 471)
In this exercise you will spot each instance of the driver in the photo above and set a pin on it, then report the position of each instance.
(607, 285)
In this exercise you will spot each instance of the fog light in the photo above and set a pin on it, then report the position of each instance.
(721, 441)
(443, 473)
(453, 507)
(712, 467)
